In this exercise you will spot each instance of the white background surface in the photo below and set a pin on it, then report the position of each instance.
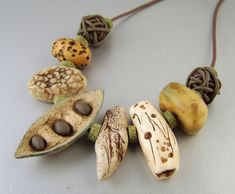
(142, 54)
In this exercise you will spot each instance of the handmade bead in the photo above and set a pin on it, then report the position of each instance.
(204, 80)
(49, 83)
(94, 131)
(112, 142)
(170, 118)
(132, 134)
(60, 126)
(156, 139)
(71, 50)
(95, 28)
(186, 104)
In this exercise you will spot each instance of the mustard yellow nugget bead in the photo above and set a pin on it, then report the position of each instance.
(186, 104)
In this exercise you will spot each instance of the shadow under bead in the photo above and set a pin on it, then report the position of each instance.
(95, 28)
(204, 80)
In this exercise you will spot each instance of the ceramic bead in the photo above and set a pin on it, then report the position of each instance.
(186, 104)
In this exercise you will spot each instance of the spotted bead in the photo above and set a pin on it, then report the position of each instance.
(71, 50)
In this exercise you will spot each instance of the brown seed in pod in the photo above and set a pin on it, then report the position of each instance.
(38, 143)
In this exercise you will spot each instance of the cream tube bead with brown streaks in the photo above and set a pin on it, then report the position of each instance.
(111, 144)
(156, 139)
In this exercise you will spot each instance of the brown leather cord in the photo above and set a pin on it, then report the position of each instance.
(135, 10)
(214, 32)
(204, 80)
(95, 28)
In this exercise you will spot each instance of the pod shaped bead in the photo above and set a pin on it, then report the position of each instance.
(71, 50)
(112, 142)
(156, 139)
(186, 104)
(55, 81)
(63, 124)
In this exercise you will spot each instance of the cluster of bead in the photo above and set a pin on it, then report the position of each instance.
(75, 110)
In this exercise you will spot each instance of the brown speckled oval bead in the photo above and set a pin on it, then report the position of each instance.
(71, 50)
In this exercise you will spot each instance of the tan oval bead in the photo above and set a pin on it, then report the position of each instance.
(71, 50)
(156, 140)
(45, 86)
(186, 104)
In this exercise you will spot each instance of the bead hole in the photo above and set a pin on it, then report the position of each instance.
(166, 173)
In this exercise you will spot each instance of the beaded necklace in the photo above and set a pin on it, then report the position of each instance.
(75, 110)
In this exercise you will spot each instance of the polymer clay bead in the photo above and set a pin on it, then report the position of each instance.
(60, 126)
(186, 104)
(55, 81)
(95, 28)
(205, 81)
(112, 142)
(67, 49)
(156, 139)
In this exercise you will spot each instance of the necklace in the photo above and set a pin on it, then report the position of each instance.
(74, 111)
